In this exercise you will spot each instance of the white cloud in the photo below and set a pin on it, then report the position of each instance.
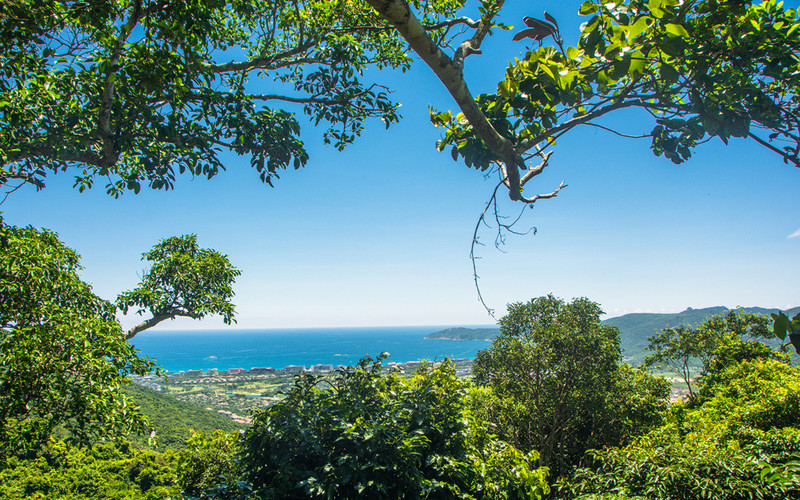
(795, 234)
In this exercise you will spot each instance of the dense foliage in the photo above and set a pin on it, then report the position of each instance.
(64, 471)
(560, 384)
(173, 421)
(182, 280)
(138, 91)
(707, 349)
(366, 434)
(696, 69)
(63, 356)
(743, 442)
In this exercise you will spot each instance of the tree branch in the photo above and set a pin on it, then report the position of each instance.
(107, 100)
(399, 14)
(156, 319)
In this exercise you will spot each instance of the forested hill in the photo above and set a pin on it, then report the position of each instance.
(464, 334)
(634, 328)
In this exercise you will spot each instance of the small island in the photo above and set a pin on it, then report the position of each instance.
(459, 333)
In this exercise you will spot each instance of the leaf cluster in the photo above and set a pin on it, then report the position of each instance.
(698, 69)
(743, 442)
(63, 357)
(560, 383)
(364, 433)
(183, 280)
(140, 91)
(63, 470)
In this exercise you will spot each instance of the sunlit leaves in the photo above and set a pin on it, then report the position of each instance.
(184, 85)
(699, 69)
(63, 357)
(183, 280)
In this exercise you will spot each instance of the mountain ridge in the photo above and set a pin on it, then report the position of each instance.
(635, 328)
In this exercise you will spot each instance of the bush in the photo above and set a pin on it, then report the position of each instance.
(744, 442)
(364, 434)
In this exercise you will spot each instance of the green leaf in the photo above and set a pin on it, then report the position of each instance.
(677, 30)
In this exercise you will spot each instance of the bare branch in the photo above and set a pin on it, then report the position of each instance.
(156, 319)
(475, 242)
(531, 201)
(473, 45)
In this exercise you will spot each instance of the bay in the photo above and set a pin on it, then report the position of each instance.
(180, 350)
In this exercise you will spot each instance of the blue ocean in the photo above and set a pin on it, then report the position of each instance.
(225, 349)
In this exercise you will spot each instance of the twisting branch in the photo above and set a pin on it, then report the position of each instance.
(158, 318)
(475, 242)
(473, 45)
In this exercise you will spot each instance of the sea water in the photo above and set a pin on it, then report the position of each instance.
(277, 348)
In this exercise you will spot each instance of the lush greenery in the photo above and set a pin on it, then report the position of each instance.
(137, 91)
(552, 412)
(715, 344)
(742, 442)
(64, 471)
(174, 421)
(63, 355)
(636, 328)
(364, 433)
(559, 384)
(182, 280)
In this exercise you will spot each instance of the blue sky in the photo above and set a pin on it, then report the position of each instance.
(380, 234)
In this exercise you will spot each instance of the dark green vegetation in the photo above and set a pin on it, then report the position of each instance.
(63, 355)
(741, 441)
(173, 420)
(136, 92)
(364, 433)
(133, 92)
(459, 333)
(637, 328)
(63, 471)
(559, 385)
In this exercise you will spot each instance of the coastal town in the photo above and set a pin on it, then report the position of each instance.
(236, 392)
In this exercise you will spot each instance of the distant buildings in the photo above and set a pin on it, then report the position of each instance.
(294, 369)
(235, 371)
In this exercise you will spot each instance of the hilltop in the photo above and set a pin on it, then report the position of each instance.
(635, 328)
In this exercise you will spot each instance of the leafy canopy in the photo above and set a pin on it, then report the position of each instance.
(183, 280)
(138, 91)
(63, 356)
(742, 442)
(699, 353)
(560, 383)
(363, 433)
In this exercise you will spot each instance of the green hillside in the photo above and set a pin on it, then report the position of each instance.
(172, 419)
(464, 334)
(636, 328)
